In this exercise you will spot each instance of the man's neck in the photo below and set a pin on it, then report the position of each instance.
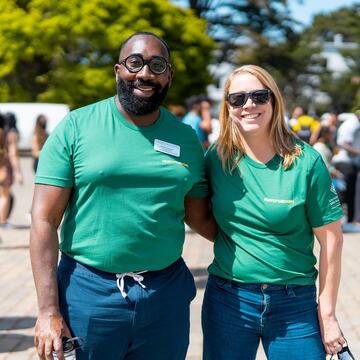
(138, 120)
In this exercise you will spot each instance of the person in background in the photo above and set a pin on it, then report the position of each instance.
(331, 121)
(10, 170)
(39, 138)
(357, 185)
(326, 136)
(199, 118)
(271, 195)
(345, 160)
(12, 140)
(304, 126)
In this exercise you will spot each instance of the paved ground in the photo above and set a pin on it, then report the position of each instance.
(17, 295)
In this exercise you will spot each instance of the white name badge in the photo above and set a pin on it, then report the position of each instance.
(167, 148)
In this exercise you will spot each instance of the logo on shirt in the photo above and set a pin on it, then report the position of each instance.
(167, 161)
(279, 201)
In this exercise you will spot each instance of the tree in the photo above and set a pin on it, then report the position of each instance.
(64, 51)
(233, 22)
(301, 71)
(343, 25)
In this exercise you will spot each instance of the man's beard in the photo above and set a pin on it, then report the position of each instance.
(138, 105)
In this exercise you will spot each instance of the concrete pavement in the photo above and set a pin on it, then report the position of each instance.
(18, 299)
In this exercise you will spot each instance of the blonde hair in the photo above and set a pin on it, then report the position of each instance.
(229, 144)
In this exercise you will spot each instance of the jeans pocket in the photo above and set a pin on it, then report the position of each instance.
(219, 282)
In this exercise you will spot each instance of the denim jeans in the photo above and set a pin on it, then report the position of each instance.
(150, 323)
(236, 316)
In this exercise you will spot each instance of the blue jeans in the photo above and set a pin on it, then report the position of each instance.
(150, 323)
(236, 316)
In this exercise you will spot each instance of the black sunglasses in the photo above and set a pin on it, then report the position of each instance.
(135, 62)
(258, 97)
(70, 344)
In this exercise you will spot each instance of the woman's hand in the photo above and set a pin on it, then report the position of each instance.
(331, 334)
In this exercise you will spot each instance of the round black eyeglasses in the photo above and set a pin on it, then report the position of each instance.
(258, 97)
(135, 62)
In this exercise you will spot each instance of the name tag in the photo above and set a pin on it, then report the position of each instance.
(167, 148)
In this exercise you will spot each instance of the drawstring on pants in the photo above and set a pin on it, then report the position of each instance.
(136, 276)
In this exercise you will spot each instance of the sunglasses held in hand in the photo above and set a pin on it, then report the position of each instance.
(258, 97)
(344, 354)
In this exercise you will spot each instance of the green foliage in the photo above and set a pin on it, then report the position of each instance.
(64, 51)
(343, 89)
(233, 22)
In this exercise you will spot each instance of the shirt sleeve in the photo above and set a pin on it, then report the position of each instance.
(322, 203)
(56, 157)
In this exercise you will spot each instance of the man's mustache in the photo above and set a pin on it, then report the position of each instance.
(139, 83)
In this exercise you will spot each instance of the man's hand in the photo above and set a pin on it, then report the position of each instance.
(49, 331)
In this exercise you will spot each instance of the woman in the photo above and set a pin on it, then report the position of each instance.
(39, 138)
(271, 193)
(9, 165)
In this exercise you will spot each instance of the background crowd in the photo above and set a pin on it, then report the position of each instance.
(10, 169)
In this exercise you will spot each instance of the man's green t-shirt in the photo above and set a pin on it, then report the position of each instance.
(266, 216)
(126, 210)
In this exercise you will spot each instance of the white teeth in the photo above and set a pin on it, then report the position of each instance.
(250, 116)
(145, 88)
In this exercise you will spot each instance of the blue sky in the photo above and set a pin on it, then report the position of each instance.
(304, 12)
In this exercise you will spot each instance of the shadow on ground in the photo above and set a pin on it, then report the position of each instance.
(16, 322)
(201, 276)
(15, 342)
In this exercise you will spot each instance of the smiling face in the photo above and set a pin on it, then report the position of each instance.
(251, 119)
(142, 92)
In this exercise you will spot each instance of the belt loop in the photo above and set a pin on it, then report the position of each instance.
(290, 291)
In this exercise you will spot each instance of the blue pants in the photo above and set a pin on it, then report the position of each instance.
(150, 323)
(236, 316)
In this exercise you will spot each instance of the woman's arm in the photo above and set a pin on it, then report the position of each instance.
(35, 148)
(13, 139)
(331, 241)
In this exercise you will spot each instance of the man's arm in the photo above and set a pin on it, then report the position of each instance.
(49, 204)
(351, 149)
(331, 241)
(199, 217)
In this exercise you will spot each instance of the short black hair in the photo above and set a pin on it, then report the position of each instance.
(192, 101)
(146, 33)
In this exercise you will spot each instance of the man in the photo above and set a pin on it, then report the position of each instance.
(305, 126)
(346, 161)
(121, 170)
(199, 118)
